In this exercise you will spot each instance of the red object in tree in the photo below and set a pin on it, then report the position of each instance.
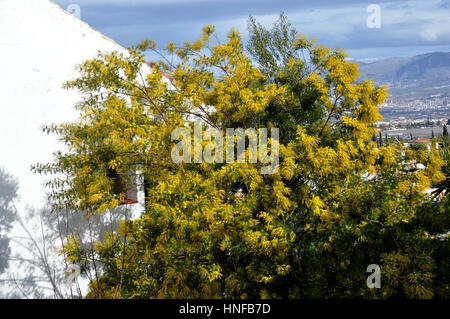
(128, 202)
(131, 193)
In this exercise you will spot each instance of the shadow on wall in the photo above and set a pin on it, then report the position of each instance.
(8, 193)
(37, 265)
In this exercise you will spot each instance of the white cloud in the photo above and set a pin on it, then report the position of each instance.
(126, 2)
(429, 35)
(343, 24)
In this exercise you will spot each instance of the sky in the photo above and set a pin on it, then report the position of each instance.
(406, 28)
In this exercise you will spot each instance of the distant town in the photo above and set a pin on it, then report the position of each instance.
(407, 119)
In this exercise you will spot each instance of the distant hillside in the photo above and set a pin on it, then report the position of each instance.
(418, 76)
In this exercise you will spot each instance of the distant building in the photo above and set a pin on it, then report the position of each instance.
(419, 141)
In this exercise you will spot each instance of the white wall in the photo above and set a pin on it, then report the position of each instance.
(39, 46)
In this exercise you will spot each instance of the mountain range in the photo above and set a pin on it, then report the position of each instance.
(415, 77)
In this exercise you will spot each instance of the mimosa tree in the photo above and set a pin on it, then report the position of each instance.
(336, 204)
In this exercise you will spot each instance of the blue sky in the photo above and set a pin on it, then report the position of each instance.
(407, 27)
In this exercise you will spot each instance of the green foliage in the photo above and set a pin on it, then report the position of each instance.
(443, 186)
(337, 204)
